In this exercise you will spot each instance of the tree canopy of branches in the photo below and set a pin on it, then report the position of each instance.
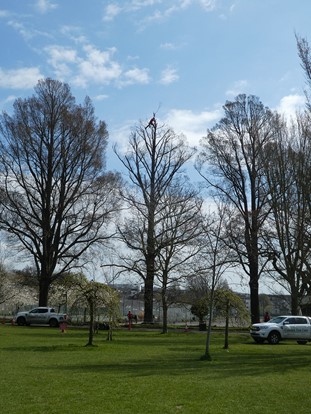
(56, 201)
(154, 160)
(179, 235)
(304, 53)
(231, 164)
(214, 260)
(287, 235)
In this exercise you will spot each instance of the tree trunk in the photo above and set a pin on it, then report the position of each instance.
(207, 354)
(165, 308)
(226, 345)
(44, 286)
(148, 297)
(294, 301)
(254, 297)
(91, 326)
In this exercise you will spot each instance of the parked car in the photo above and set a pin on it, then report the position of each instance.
(40, 316)
(283, 327)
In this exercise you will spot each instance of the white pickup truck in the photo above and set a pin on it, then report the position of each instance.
(283, 327)
(40, 316)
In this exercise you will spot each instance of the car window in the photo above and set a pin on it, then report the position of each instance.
(43, 310)
(290, 321)
(52, 310)
(301, 321)
(277, 319)
(34, 311)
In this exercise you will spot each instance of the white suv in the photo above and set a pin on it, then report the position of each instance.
(283, 327)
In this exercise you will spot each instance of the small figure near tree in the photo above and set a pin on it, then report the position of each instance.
(152, 122)
(130, 319)
(266, 317)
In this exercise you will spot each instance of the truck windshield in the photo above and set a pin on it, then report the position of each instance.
(278, 319)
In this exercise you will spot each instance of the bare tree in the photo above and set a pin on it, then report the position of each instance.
(216, 259)
(287, 230)
(154, 160)
(179, 232)
(231, 164)
(56, 202)
(304, 52)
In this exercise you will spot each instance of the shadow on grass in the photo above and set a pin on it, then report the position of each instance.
(147, 354)
(46, 348)
(223, 365)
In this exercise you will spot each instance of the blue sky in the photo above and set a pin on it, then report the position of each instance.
(183, 58)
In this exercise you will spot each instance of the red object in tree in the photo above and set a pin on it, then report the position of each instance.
(152, 122)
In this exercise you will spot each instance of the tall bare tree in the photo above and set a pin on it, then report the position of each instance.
(304, 53)
(287, 230)
(216, 259)
(56, 200)
(153, 161)
(231, 164)
(179, 240)
(288, 171)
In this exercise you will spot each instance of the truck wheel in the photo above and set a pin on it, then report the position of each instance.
(274, 338)
(21, 321)
(302, 342)
(53, 323)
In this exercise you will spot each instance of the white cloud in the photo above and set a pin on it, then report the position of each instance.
(8, 100)
(25, 32)
(60, 58)
(43, 6)
(192, 125)
(208, 5)
(120, 135)
(164, 10)
(144, 3)
(168, 46)
(172, 46)
(290, 104)
(21, 29)
(238, 87)
(111, 11)
(61, 54)
(73, 33)
(23, 78)
(100, 97)
(97, 66)
(169, 75)
(91, 65)
(135, 76)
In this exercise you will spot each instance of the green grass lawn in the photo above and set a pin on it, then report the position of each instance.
(44, 372)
